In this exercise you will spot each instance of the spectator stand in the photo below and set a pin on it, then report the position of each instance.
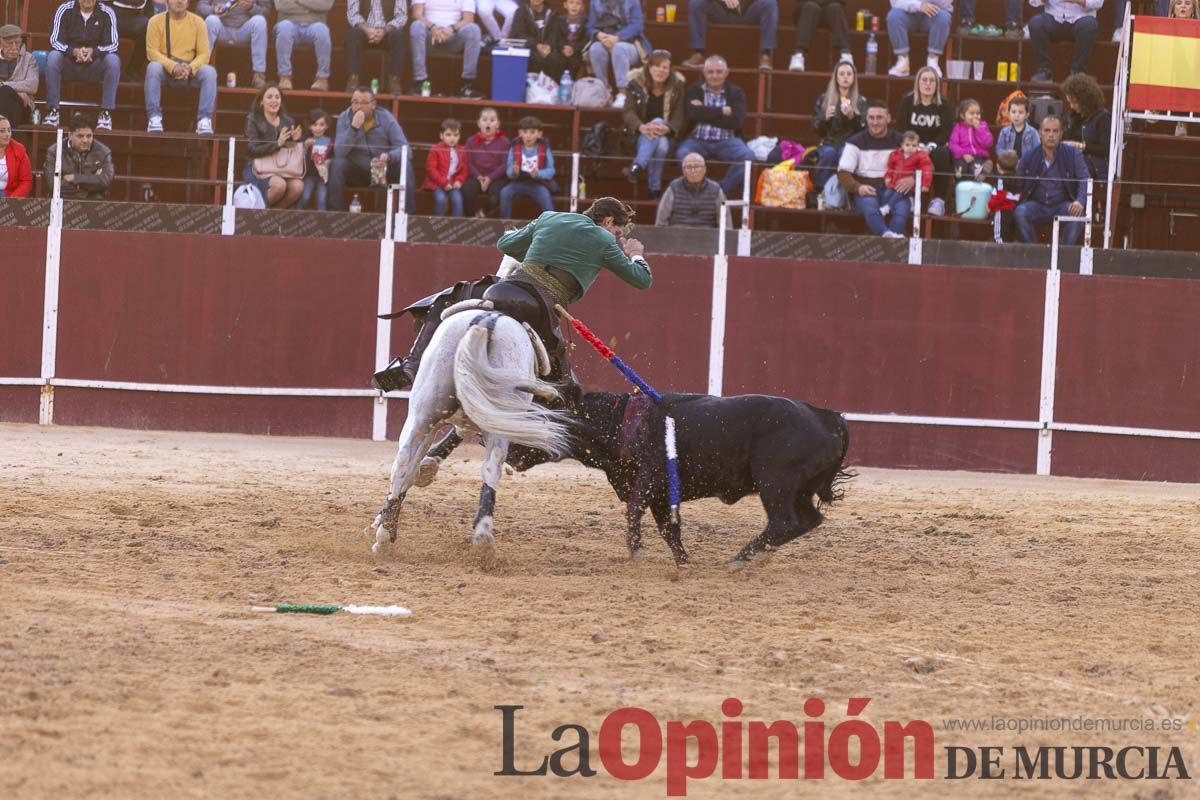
(779, 104)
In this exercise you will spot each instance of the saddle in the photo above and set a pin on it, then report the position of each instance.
(524, 304)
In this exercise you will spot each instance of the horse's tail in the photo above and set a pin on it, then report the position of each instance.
(492, 397)
(831, 486)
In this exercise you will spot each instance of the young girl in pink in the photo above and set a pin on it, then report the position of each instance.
(971, 141)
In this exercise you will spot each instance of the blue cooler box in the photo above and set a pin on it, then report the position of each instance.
(971, 199)
(509, 67)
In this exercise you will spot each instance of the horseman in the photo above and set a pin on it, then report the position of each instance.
(561, 254)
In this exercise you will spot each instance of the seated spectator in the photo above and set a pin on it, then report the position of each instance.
(1088, 122)
(693, 200)
(1179, 9)
(446, 170)
(530, 168)
(18, 76)
(1012, 18)
(244, 23)
(319, 149)
(84, 46)
(863, 167)
(1018, 136)
(487, 163)
(919, 16)
(1053, 183)
(615, 29)
(87, 167)
(537, 24)
(763, 13)
(485, 11)
(572, 32)
(1063, 20)
(927, 113)
(807, 15)
(303, 22)
(184, 64)
(971, 142)
(654, 117)
(132, 18)
(16, 173)
(715, 109)
(368, 136)
(375, 29)
(447, 26)
(839, 113)
(904, 162)
(269, 129)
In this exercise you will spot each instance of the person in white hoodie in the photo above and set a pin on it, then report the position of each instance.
(919, 16)
(1063, 20)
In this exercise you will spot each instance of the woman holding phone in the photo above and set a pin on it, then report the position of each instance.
(269, 129)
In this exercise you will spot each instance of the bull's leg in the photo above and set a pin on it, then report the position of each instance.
(493, 469)
(436, 455)
(633, 530)
(783, 523)
(670, 530)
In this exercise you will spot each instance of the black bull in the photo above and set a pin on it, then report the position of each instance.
(785, 451)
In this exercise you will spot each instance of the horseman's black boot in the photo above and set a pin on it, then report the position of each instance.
(398, 375)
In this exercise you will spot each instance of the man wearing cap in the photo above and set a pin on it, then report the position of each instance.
(18, 76)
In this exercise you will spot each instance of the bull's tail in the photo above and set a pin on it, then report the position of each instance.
(831, 485)
(496, 398)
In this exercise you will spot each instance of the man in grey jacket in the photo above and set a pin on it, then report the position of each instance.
(240, 24)
(367, 137)
(18, 76)
(87, 167)
(303, 22)
(370, 26)
(694, 199)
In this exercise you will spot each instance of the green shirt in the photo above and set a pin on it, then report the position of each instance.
(574, 244)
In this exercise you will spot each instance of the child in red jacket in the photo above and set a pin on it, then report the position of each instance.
(904, 163)
(446, 170)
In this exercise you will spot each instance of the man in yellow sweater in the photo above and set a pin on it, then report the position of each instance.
(177, 48)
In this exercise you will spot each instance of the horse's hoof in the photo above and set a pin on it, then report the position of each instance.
(637, 555)
(736, 564)
(485, 532)
(427, 471)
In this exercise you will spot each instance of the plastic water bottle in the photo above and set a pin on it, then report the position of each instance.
(564, 89)
(872, 64)
(355, 205)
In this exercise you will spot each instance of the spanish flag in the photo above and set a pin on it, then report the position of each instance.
(1164, 72)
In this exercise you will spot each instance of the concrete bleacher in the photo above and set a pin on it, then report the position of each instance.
(186, 168)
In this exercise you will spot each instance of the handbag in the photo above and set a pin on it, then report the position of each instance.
(286, 162)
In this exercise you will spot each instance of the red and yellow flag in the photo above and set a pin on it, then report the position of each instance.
(1164, 71)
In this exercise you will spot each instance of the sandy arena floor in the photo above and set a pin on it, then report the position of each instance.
(130, 666)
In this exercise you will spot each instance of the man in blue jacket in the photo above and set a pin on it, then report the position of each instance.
(367, 136)
(1053, 183)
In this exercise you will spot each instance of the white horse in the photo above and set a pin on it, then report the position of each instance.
(480, 372)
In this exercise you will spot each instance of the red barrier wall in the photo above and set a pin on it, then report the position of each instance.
(222, 311)
(887, 338)
(1128, 355)
(22, 288)
(867, 338)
